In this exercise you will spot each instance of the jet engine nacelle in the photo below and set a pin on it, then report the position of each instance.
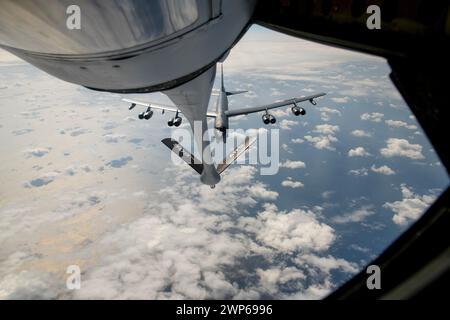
(148, 114)
(175, 122)
(268, 118)
(313, 102)
(298, 111)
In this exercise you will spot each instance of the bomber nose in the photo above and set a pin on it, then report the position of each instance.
(209, 176)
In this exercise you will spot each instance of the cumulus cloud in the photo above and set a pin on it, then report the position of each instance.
(293, 164)
(187, 243)
(359, 248)
(374, 116)
(271, 279)
(174, 269)
(329, 263)
(286, 148)
(260, 190)
(325, 116)
(357, 215)
(358, 152)
(359, 172)
(326, 138)
(326, 129)
(297, 141)
(327, 112)
(361, 133)
(292, 231)
(411, 207)
(29, 285)
(287, 124)
(114, 138)
(327, 194)
(341, 99)
(289, 183)
(183, 248)
(402, 148)
(322, 142)
(383, 170)
(400, 124)
(330, 110)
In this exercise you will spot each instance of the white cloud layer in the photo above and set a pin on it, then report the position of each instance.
(400, 124)
(187, 242)
(374, 116)
(292, 231)
(341, 99)
(358, 152)
(326, 138)
(411, 207)
(326, 129)
(383, 170)
(402, 148)
(289, 183)
(287, 124)
(361, 133)
(327, 112)
(357, 215)
(293, 164)
(359, 172)
(322, 142)
(297, 141)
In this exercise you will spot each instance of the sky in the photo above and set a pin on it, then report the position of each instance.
(86, 183)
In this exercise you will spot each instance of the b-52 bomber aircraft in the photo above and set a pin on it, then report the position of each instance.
(221, 124)
(222, 113)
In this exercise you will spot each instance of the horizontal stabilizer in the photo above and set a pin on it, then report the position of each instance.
(235, 154)
(178, 149)
(230, 93)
